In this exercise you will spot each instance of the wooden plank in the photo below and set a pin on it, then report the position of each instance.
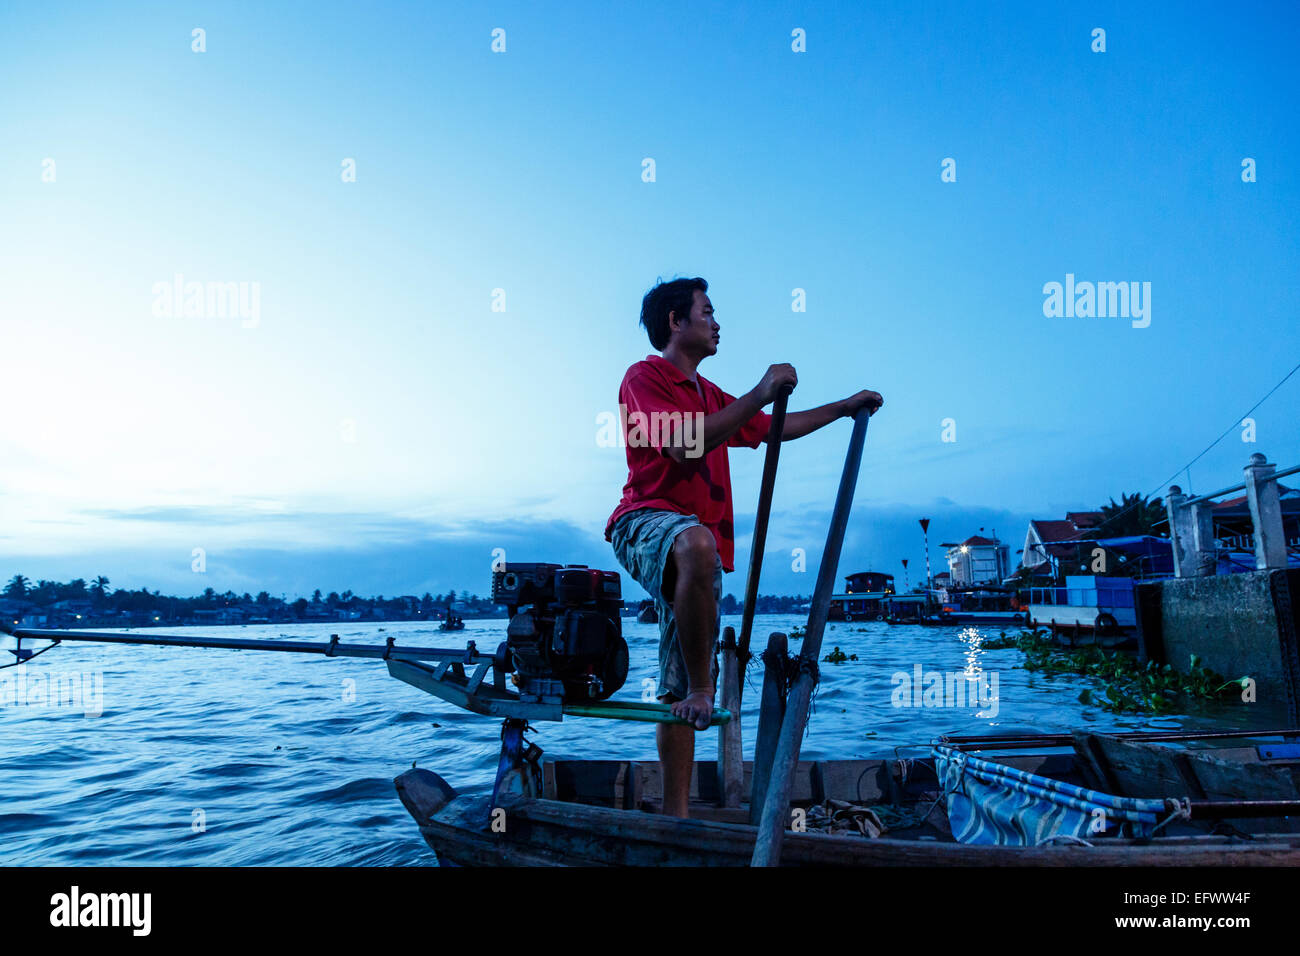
(625, 838)
(479, 673)
(1136, 769)
(548, 780)
(853, 781)
(1097, 770)
(1232, 780)
(423, 793)
(771, 711)
(546, 832)
(652, 780)
(604, 782)
(731, 769)
(1144, 769)
(632, 788)
(588, 781)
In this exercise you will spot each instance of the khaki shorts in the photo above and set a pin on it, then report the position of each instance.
(642, 541)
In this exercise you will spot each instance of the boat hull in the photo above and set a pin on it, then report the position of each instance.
(467, 830)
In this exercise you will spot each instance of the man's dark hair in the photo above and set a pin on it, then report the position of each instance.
(676, 296)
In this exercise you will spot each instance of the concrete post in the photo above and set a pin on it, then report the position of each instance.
(1182, 535)
(1265, 514)
(1204, 560)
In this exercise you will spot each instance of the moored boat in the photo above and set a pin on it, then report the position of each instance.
(1089, 609)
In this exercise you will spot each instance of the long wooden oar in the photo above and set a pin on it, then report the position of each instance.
(776, 807)
(760, 530)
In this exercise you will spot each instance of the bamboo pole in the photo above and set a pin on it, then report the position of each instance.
(759, 542)
(776, 805)
(646, 713)
(386, 651)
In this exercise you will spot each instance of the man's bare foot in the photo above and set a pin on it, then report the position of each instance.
(696, 708)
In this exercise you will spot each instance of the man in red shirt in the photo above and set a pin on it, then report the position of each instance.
(673, 530)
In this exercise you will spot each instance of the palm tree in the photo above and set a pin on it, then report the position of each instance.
(99, 589)
(17, 587)
(1133, 515)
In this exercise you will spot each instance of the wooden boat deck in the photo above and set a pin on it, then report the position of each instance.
(604, 813)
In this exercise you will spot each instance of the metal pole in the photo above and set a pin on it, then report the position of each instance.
(1027, 741)
(333, 648)
(760, 531)
(776, 807)
(609, 709)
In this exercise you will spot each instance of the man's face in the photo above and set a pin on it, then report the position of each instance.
(698, 334)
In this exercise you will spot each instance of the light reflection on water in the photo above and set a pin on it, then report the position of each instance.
(289, 759)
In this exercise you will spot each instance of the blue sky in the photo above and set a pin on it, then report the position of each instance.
(379, 427)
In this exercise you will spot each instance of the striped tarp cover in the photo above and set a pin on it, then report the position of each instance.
(989, 803)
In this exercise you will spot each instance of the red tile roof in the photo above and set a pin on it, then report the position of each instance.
(1241, 499)
(1049, 531)
(1085, 519)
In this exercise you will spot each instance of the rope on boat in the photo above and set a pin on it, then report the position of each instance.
(902, 818)
(808, 665)
(1180, 809)
(784, 666)
(787, 668)
(1066, 839)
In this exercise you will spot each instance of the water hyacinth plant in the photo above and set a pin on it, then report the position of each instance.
(837, 656)
(1127, 687)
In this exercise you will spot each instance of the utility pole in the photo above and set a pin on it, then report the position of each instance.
(925, 534)
(906, 586)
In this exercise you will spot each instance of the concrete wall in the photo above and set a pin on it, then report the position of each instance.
(1238, 624)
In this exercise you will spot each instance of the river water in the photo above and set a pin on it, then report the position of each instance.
(223, 758)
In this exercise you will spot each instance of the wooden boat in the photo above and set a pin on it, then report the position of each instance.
(452, 622)
(647, 613)
(1077, 636)
(930, 621)
(963, 618)
(605, 812)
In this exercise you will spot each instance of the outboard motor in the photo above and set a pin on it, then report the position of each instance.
(565, 636)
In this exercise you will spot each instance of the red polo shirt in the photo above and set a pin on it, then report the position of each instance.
(697, 486)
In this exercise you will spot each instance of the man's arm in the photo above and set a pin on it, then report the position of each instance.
(798, 424)
(721, 425)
